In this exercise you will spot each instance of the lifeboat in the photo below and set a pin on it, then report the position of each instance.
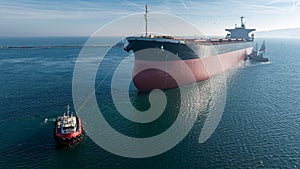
(68, 129)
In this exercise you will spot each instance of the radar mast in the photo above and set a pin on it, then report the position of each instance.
(146, 18)
(242, 23)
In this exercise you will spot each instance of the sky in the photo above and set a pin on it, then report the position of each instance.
(83, 18)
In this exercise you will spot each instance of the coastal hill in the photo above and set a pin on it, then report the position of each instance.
(286, 33)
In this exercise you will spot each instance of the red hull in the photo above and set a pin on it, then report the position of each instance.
(69, 139)
(149, 75)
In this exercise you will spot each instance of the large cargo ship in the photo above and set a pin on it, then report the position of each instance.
(204, 57)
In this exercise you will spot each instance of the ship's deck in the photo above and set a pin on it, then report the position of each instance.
(212, 41)
(202, 41)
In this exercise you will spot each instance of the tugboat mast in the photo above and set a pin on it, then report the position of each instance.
(146, 19)
(68, 109)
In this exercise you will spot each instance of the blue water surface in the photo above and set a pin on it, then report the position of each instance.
(259, 127)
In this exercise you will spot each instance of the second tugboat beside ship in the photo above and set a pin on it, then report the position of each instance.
(204, 57)
(257, 55)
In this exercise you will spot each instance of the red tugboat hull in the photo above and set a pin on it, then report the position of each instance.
(69, 139)
(68, 129)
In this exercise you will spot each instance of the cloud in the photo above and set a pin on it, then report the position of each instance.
(210, 15)
(58, 10)
(183, 4)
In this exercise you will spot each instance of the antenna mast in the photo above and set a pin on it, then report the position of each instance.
(146, 18)
(242, 23)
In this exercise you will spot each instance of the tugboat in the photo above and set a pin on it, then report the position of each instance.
(68, 129)
(257, 55)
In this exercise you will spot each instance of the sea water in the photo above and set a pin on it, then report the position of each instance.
(259, 127)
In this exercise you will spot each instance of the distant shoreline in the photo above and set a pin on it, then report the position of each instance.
(56, 46)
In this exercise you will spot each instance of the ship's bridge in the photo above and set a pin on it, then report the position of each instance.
(240, 32)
